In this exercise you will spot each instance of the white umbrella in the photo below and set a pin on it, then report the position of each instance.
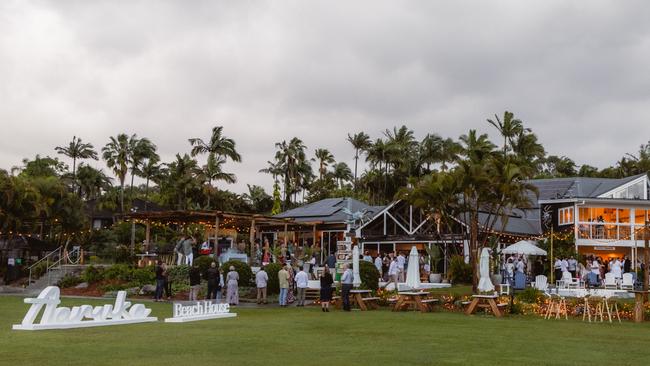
(413, 271)
(485, 283)
(524, 247)
(356, 281)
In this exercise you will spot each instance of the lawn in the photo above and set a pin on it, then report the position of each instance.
(295, 336)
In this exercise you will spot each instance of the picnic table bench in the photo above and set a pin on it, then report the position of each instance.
(485, 301)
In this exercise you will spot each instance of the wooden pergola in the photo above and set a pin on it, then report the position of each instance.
(217, 219)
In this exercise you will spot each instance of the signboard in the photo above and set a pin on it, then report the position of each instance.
(604, 248)
(343, 256)
(55, 317)
(188, 311)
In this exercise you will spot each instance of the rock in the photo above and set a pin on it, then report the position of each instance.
(133, 291)
(82, 285)
(147, 289)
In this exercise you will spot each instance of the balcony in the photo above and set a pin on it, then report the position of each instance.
(604, 231)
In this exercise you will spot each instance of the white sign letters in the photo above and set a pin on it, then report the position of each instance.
(199, 310)
(55, 317)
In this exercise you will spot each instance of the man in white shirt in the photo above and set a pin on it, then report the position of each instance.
(367, 257)
(573, 266)
(261, 281)
(393, 272)
(520, 266)
(401, 261)
(378, 264)
(302, 282)
(346, 285)
(564, 265)
(557, 266)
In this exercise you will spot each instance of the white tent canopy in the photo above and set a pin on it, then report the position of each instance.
(524, 247)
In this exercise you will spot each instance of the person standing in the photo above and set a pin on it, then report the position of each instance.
(617, 268)
(331, 261)
(401, 264)
(214, 282)
(160, 281)
(557, 266)
(179, 250)
(283, 280)
(393, 273)
(261, 281)
(378, 265)
(564, 266)
(573, 266)
(168, 283)
(326, 282)
(291, 297)
(627, 265)
(302, 282)
(188, 250)
(232, 279)
(346, 286)
(195, 282)
(367, 257)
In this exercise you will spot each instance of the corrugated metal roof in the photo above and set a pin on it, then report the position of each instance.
(577, 187)
(329, 210)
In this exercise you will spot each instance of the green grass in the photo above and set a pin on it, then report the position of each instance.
(293, 336)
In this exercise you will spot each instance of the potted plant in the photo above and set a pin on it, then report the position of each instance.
(435, 256)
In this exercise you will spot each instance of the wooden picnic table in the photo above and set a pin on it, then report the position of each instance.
(363, 299)
(484, 301)
(411, 298)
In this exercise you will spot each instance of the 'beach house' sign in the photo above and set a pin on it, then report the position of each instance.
(55, 317)
(199, 310)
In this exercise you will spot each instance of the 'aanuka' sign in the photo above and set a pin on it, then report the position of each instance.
(199, 310)
(55, 317)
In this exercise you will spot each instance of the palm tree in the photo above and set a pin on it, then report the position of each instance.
(430, 150)
(150, 170)
(182, 176)
(219, 148)
(449, 151)
(360, 141)
(273, 168)
(141, 150)
(324, 158)
(290, 157)
(213, 171)
(92, 182)
(117, 154)
(77, 150)
(508, 128)
(342, 173)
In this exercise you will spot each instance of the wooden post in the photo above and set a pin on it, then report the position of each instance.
(251, 237)
(147, 237)
(552, 261)
(286, 232)
(313, 244)
(216, 235)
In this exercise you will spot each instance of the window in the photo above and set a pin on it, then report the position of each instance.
(624, 215)
(639, 216)
(565, 216)
(635, 191)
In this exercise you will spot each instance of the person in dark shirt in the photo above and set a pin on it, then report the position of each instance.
(195, 282)
(214, 282)
(160, 281)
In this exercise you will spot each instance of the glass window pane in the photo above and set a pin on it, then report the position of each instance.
(639, 216)
(635, 191)
(604, 214)
(584, 214)
(624, 215)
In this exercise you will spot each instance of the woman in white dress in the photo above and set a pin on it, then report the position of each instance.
(616, 268)
(232, 281)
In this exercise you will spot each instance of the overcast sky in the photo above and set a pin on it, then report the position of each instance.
(577, 73)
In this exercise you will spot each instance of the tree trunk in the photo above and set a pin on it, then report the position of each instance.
(146, 194)
(356, 162)
(74, 175)
(122, 195)
(473, 252)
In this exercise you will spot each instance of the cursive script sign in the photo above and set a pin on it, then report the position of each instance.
(199, 310)
(55, 317)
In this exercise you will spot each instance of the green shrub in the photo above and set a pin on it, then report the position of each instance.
(204, 262)
(272, 270)
(179, 275)
(459, 272)
(69, 280)
(92, 274)
(39, 270)
(122, 272)
(369, 275)
(122, 254)
(529, 295)
(244, 271)
(143, 276)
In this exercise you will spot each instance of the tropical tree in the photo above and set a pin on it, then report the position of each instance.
(92, 182)
(361, 142)
(140, 151)
(430, 150)
(296, 171)
(151, 170)
(219, 149)
(509, 128)
(324, 158)
(77, 149)
(258, 199)
(213, 171)
(342, 173)
(117, 154)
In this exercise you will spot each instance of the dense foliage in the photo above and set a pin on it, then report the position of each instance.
(272, 269)
(243, 269)
(459, 272)
(369, 275)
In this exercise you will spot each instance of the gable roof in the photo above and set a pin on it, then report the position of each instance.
(577, 187)
(329, 210)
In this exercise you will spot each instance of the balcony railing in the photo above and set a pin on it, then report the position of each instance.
(605, 231)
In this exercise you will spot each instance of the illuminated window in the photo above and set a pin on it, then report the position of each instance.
(565, 216)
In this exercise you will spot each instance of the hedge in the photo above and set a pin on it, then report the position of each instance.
(244, 271)
(272, 270)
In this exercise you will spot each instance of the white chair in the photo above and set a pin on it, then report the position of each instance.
(610, 281)
(628, 281)
(565, 281)
(541, 283)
